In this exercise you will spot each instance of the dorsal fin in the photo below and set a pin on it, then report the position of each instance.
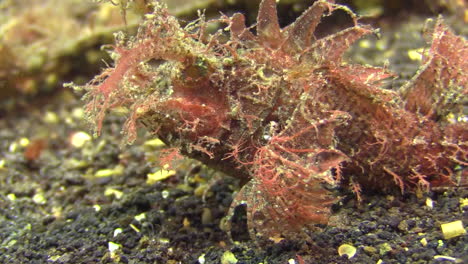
(440, 87)
(238, 29)
(333, 47)
(300, 33)
(268, 29)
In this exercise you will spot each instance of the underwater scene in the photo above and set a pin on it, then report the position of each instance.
(233, 131)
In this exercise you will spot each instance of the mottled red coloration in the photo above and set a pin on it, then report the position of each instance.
(283, 111)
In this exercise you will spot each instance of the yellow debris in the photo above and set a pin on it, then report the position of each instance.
(453, 229)
(118, 231)
(276, 239)
(79, 139)
(97, 207)
(113, 246)
(118, 170)
(11, 196)
(201, 259)
(347, 250)
(39, 198)
(24, 142)
(381, 45)
(140, 217)
(159, 176)
(51, 117)
(415, 54)
(110, 191)
(154, 143)
(228, 258)
(186, 223)
(463, 203)
(113, 249)
(423, 241)
(429, 203)
(78, 113)
(136, 229)
(365, 44)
